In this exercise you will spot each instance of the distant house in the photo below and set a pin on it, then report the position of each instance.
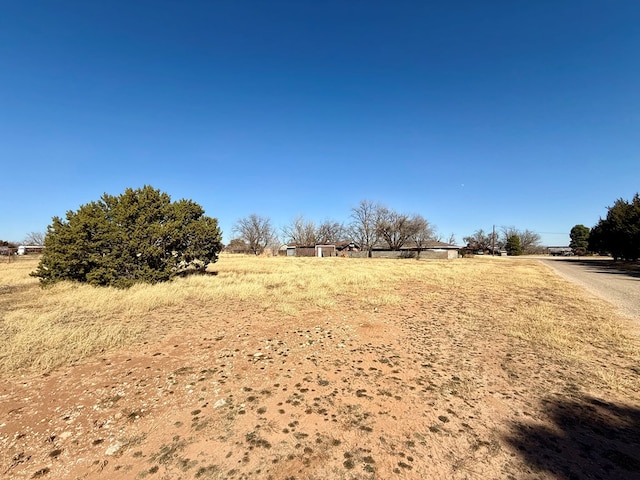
(344, 249)
(560, 251)
(488, 250)
(308, 251)
(25, 249)
(431, 250)
(325, 251)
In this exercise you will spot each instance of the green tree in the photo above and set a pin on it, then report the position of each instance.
(529, 241)
(513, 245)
(579, 239)
(237, 245)
(619, 232)
(139, 236)
(596, 242)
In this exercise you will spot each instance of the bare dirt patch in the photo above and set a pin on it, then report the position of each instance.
(465, 369)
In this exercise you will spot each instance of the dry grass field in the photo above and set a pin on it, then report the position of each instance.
(334, 368)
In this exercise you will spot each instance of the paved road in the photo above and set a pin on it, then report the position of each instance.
(603, 278)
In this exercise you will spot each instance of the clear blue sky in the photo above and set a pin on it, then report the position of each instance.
(470, 113)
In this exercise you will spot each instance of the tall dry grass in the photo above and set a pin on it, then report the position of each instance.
(45, 328)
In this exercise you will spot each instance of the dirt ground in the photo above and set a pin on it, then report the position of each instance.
(385, 393)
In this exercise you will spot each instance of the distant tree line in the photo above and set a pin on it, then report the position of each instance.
(507, 238)
(370, 224)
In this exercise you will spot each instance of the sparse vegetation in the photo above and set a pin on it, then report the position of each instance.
(310, 368)
(68, 322)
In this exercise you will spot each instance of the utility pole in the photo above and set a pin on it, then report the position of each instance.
(493, 241)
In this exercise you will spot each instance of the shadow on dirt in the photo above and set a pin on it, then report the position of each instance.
(631, 269)
(589, 438)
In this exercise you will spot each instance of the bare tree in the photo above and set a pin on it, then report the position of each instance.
(421, 232)
(256, 231)
(330, 232)
(481, 241)
(529, 241)
(364, 224)
(508, 231)
(34, 238)
(274, 245)
(395, 228)
(300, 232)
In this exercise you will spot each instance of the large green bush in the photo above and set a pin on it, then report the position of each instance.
(579, 239)
(139, 236)
(619, 233)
